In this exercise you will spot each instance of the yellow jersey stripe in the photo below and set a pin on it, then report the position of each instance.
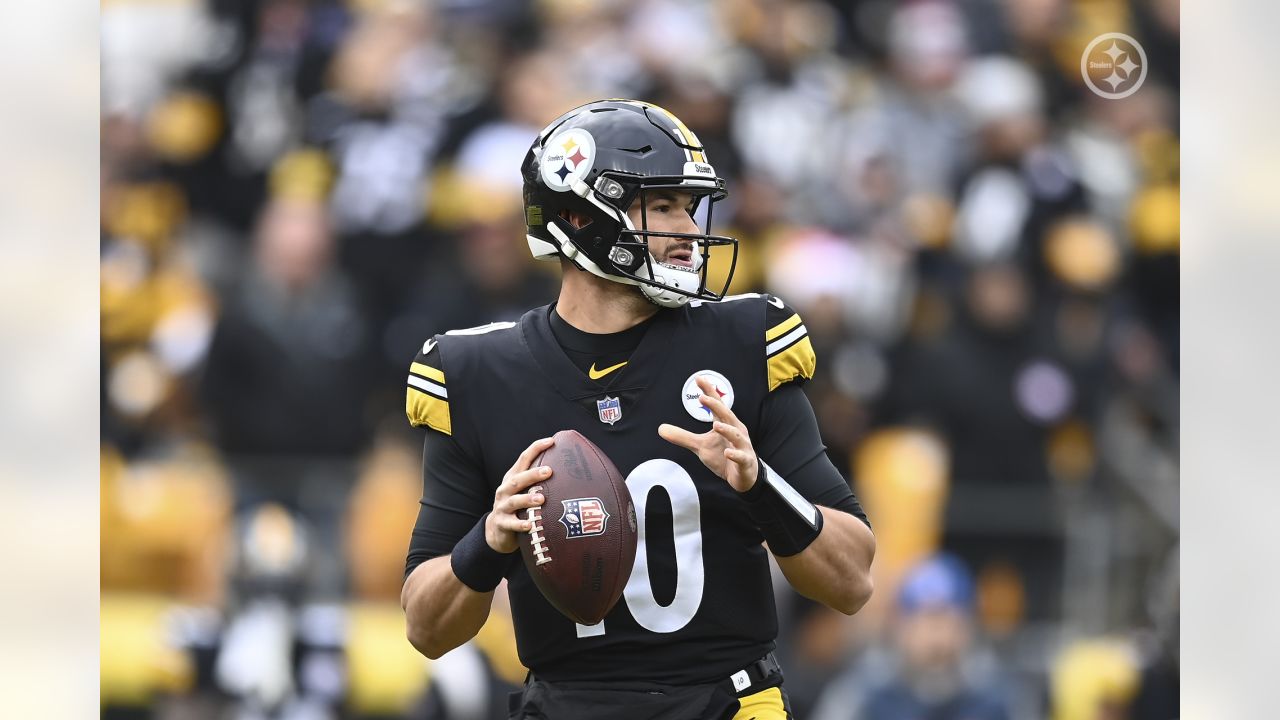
(429, 410)
(785, 341)
(781, 328)
(764, 705)
(796, 361)
(427, 372)
(428, 387)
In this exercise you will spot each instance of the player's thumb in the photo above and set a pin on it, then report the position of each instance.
(678, 436)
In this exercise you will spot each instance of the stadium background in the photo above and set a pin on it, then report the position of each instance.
(295, 194)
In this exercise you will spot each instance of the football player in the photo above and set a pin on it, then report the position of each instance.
(694, 396)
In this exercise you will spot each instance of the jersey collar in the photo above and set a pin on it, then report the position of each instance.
(642, 370)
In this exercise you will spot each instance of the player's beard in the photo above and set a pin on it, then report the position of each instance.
(677, 253)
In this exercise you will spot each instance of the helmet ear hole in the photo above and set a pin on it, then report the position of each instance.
(575, 220)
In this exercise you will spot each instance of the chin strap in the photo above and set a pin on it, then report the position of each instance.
(688, 280)
(682, 279)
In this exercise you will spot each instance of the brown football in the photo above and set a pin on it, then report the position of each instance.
(583, 542)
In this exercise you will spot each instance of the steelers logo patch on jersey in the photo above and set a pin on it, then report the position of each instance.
(690, 393)
(567, 157)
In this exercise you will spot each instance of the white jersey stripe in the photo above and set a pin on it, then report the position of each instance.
(428, 386)
(785, 340)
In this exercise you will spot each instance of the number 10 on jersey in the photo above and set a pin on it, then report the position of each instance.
(687, 531)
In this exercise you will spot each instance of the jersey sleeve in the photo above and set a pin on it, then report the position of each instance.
(426, 400)
(788, 351)
(790, 442)
(454, 498)
(454, 494)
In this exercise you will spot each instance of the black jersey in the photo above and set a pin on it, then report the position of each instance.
(699, 602)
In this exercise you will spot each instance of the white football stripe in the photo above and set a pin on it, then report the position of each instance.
(785, 340)
(428, 386)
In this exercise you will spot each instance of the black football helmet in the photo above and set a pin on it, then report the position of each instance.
(595, 160)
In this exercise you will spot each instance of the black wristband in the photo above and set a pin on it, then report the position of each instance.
(787, 520)
(477, 565)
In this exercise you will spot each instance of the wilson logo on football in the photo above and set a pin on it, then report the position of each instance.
(583, 517)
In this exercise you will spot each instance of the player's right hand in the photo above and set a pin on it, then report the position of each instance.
(508, 515)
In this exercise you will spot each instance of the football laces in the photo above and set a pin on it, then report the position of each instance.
(536, 538)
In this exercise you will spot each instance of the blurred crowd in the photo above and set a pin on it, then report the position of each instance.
(296, 193)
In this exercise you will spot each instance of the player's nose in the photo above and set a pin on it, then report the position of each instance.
(686, 224)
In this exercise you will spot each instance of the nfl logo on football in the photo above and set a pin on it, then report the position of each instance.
(610, 410)
(583, 517)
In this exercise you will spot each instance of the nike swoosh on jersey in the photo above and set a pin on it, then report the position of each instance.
(595, 374)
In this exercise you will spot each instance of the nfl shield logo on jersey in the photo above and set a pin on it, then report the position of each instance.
(583, 517)
(610, 409)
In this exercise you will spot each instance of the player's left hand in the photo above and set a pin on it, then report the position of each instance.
(726, 448)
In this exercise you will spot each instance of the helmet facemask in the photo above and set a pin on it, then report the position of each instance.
(594, 162)
(630, 258)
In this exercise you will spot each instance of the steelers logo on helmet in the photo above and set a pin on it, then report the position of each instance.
(567, 157)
